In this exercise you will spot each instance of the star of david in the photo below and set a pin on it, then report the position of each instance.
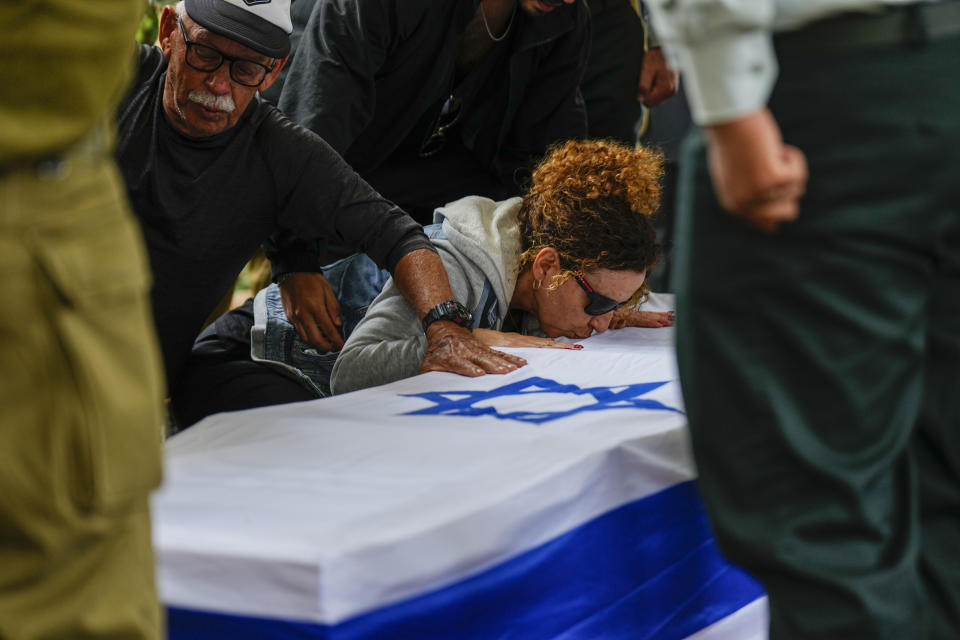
(464, 403)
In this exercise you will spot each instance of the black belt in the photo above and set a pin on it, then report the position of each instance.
(911, 24)
(93, 145)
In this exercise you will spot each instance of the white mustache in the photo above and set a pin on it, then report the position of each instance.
(210, 101)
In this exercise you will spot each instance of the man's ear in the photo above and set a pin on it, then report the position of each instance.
(546, 264)
(271, 77)
(168, 26)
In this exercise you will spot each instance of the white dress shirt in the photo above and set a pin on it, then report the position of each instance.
(724, 48)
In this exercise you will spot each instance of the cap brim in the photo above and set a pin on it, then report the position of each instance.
(241, 26)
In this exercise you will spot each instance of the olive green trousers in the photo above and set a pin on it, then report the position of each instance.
(80, 408)
(820, 365)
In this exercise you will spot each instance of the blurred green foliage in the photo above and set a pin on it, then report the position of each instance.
(150, 23)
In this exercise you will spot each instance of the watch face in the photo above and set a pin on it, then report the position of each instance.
(455, 312)
(451, 311)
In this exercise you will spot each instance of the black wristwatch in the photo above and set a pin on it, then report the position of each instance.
(450, 310)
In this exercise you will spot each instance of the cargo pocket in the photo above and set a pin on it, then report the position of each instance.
(98, 305)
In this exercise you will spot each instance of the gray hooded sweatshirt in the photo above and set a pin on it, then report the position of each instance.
(479, 243)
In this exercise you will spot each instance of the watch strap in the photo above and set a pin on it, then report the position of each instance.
(451, 311)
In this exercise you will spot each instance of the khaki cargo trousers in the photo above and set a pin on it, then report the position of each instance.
(80, 406)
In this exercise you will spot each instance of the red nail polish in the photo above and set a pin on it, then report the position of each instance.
(578, 346)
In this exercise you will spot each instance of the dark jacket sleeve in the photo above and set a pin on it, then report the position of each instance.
(321, 198)
(330, 87)
(552, 108)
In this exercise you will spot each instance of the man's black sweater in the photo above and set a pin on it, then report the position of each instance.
(206, 204)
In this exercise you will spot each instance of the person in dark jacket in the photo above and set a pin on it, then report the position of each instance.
(431, 100)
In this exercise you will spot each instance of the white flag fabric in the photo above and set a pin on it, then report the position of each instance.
(553, 502)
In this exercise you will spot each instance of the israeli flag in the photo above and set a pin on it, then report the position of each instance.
(556, 502)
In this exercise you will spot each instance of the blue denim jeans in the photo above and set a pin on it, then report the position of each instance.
(356, 280)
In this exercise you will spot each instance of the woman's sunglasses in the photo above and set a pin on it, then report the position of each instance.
(597, 304)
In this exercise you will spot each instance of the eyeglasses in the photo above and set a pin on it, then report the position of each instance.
(449, 116)
(204, 58)
(598, 305)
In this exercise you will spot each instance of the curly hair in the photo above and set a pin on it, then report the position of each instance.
(592, 200)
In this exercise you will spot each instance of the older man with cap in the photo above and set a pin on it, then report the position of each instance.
(212, 170)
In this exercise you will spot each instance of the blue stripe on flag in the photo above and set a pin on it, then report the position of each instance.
(648, 569)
